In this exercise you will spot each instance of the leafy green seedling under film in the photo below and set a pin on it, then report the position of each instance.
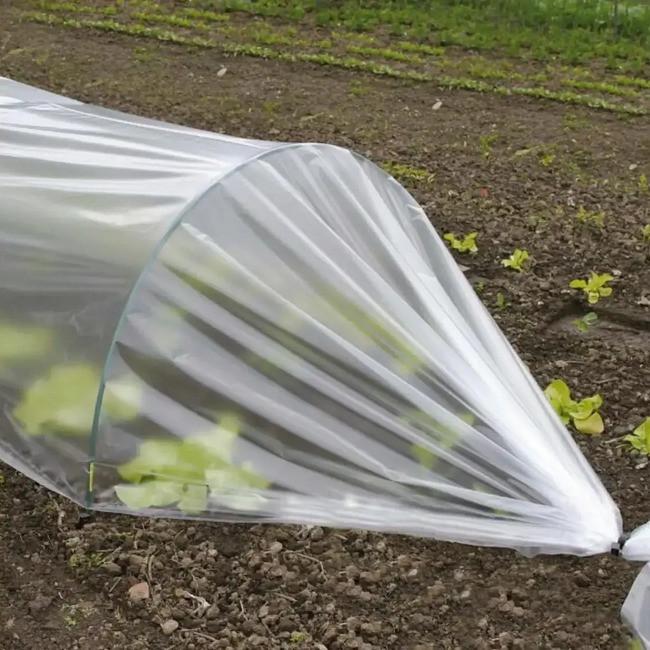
(594, 286)
(517, 260)
(586, 322)
(465, 245)
(23, 344)
(183, 472)
(64, 401)
(640, 437)
(582, 414)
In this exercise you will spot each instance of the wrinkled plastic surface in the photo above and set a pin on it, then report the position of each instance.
(248, 331)
(636, 609)
(637, 547)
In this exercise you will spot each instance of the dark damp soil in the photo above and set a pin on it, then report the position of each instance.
(64, 582)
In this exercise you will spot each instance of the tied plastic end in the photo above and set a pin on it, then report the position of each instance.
(617, 548)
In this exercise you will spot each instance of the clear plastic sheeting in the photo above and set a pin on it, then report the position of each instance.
(637, 547)
(202, 326)
(636, 609)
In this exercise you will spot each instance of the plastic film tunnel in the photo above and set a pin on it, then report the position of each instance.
(196, 325)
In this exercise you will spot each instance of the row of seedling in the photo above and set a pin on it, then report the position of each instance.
(583, 415)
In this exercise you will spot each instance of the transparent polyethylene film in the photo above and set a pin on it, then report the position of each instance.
(303, 348)
(194, 325)
(637, 547)
(636, 609)
(85, 197)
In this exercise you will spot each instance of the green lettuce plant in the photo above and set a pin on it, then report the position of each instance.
(443, 435)
(594, 286)
(582, 414)
(465, 245)
(19, 344)
(184, 472)
(64, 401)
(640, 437)
(517, 260)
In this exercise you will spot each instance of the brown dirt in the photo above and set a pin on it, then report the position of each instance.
(64, 582)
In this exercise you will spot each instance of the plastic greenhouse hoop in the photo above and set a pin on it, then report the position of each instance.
(153, 255)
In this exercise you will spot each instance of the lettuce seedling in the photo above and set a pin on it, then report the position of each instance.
(588, 320)
(179, 472)
(583, 414)
(20, 344)
(500, 301)
(589, 217)
(594, 286)
(465, 245)
(640, 437)
(546, 158)
(64, 401)
(445, 436)
(517, 260)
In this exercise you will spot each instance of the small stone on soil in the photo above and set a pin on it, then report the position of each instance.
(139, 592)
(39, 603)
(169, 627)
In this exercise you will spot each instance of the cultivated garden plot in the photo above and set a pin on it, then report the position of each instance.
(544, 203)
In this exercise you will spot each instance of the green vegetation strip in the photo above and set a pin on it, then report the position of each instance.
(347, 63)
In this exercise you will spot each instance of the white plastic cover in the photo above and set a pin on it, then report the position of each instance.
(637, 546)
(204, 326)
(636, 609)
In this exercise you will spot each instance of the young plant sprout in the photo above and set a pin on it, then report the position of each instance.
(589, 217)
(22, 344)
(500, 301)
(594, 286)
(645, 232)
(582, 414)
(465, 245)
(640, 437)
(486, 142)
(546, 158)
(644, 186)
(517, 260)
(586, 322)
(182, 472)
(64, 401)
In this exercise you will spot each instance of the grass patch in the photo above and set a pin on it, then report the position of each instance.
(326, 59)
(407, 173)
(573, 122)
(171, 19)
(205, 15)
(384, 53)
(420, 48)
(623, 80)
(601, 87)
(75, 7)
(568, 31)
(482, 69)
(357, 89)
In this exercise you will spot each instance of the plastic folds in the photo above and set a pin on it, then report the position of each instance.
(636, 609)
(211, 327)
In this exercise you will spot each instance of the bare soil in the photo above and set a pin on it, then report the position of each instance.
(64, 581)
